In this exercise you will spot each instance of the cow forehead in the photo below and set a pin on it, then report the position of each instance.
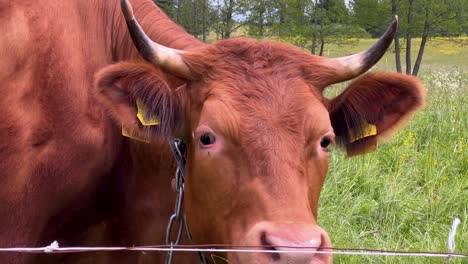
(264, 108)
(261, 89)
(264, 138)
(242, 58)
(255, 51)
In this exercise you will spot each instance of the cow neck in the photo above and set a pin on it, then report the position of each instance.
(159, 27)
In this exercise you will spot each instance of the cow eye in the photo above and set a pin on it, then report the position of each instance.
(325, 142)
(207, 139)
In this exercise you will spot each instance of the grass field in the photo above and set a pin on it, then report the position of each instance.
(405, 195)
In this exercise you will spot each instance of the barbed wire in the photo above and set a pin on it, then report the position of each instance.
(222, 248)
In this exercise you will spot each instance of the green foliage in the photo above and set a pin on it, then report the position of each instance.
(335, 11)
(261, 17)
(446, 17)
(310, 23)
(196, 16)
(230, 15)
(405, 195)
(372, 15)
(324, 20)
(166, 5)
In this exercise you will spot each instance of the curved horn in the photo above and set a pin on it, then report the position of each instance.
(167, 58)
(352, 66)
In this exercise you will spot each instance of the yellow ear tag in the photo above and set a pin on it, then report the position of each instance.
(367, 131)
(141, 115)
(125, 133)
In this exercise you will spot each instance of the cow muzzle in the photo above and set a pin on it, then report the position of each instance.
(288, 237)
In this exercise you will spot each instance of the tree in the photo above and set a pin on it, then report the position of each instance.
(195, 16)
(333, 22)
(440, 18)
(261, 15)
(409, 36)
(430, 18)
(418, 18)
(371, 15)
(396, 38)
(230, 15)
(313, 23)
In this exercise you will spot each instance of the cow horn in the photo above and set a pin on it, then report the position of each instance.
(352, 66)
(159, 55)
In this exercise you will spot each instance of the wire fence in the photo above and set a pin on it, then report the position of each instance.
(224, 248)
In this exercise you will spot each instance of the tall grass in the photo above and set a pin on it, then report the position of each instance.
(405, 195)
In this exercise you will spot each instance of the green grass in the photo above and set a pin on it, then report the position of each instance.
(405, 195)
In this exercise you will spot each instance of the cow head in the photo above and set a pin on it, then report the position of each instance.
(258, 130)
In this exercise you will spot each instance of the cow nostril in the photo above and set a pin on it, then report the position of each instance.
(267, 245)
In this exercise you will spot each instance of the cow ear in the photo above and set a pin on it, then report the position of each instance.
(139, 99)
(372, 107)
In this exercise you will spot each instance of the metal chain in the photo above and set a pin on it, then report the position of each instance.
(179, 149)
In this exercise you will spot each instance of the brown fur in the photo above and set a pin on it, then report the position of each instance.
(72, 177)
(64, 163)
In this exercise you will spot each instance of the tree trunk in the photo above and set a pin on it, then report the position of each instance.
(281, 13)
(322, 44)
(396, 39)
(314, 33)
(195, 18)
(204, 15)
(177, 11)
(314, 43)
(228, 21)
(322, 40)
(408, 37)
(424, 36)
(260, 31)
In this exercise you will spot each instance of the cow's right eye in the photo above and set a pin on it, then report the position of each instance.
(207, 139)
(325, 142)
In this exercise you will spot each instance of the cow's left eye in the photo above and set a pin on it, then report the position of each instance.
(207, 139)
(325, 142)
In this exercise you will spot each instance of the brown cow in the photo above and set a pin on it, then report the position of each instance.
(66, 172)
(252, 114)
(258, 129)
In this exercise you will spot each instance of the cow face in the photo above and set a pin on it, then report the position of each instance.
(259, 148)
(258, 131)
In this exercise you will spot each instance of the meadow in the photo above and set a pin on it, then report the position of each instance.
(405, 195)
